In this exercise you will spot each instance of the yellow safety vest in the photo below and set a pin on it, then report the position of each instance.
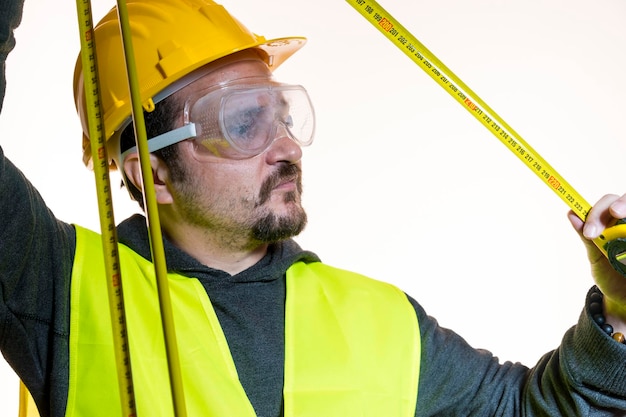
(352, 345)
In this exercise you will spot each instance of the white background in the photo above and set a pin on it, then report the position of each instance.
(401, 184)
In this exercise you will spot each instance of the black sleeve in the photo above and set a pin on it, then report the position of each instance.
(36, 255)
(10, 17)
(585, 376)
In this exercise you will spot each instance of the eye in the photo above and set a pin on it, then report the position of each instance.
(288, 121)
(245, 124)
(283, 112)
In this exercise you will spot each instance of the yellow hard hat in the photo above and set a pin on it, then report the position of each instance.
(171, 39)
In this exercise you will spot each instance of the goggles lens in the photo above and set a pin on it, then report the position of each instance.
(238, 121)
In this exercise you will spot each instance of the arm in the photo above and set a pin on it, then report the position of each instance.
(10, 17)
(455, 379)
(36, 253)
(584, 376)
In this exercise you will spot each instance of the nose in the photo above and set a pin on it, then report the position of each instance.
(284, 148)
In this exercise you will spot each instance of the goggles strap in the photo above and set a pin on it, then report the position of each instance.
(166, 139)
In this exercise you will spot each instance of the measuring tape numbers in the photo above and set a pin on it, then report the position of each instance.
(105, 208)
(415, 50)
(613, 241)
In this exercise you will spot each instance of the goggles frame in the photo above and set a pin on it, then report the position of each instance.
(215, 127)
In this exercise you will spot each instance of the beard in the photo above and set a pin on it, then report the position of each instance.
(271, 228)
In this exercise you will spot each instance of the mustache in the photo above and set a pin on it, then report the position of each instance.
(285, 172)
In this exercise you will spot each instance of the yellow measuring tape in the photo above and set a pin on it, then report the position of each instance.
(611, 243)
(152, 218)
(105, 207)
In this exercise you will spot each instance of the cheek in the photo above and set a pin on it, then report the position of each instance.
(230, 179)
(235, 183)
(243, 173)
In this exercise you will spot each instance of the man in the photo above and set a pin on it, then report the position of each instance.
(264, 329)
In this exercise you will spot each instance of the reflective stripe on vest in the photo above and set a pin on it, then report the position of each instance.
(352, 344)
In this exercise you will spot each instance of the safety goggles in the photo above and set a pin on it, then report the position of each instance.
(241, 119)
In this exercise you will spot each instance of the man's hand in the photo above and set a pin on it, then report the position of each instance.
(604, 214)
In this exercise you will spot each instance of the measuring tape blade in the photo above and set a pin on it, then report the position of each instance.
(427, 61)
(152, 217)
(105, 207)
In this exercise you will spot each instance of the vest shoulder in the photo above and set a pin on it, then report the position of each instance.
(344, 278)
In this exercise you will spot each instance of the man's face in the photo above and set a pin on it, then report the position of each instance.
(245, 201)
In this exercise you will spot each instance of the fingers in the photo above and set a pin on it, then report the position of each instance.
(576, 222)
(592, 250)
(604, 214)
(618, 208)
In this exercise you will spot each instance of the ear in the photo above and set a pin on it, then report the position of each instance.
(160, 175)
